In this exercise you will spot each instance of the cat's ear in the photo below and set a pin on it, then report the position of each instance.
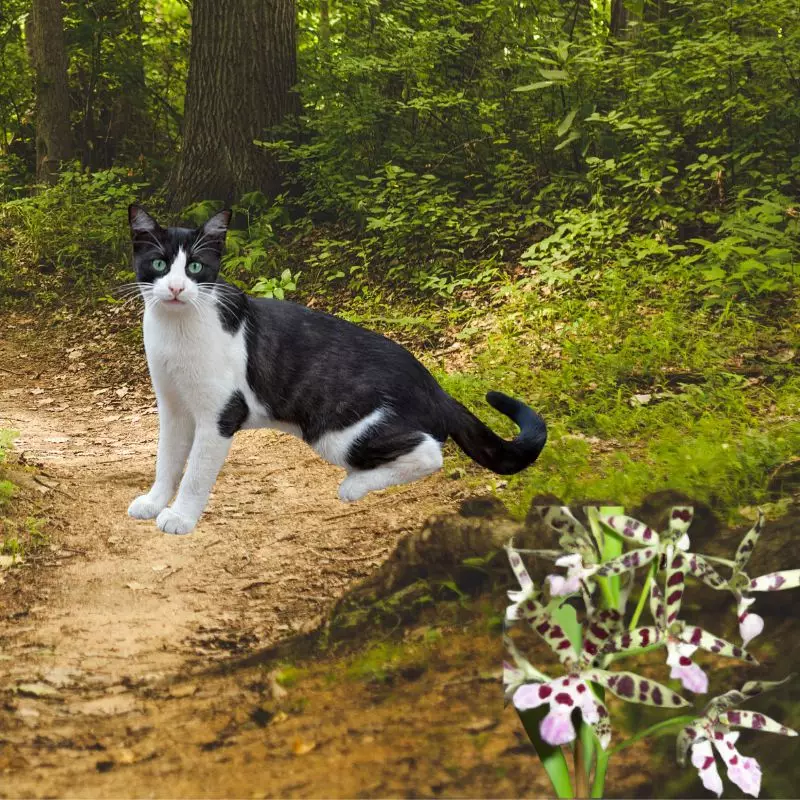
(141, 221)
(217, 226)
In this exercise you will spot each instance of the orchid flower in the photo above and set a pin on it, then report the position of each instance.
(714, 728)
(675, 539)
(581, 555)
(530, 689)
(681, 640)
(751, 624)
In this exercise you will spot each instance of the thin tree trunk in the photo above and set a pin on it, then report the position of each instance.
(48, 57)
(324, 24)
(242, 69)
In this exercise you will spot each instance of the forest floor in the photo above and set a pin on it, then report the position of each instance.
(134, 664)
(110, 630)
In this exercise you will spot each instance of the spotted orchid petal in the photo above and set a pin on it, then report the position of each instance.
(540, 619)
(561, 586)
(636, 689)
(755, 721)
(518, 567)
(657, 608)
(574, 538)
(630, 640)
(564, 695)
(742, 770)
(703, 571)
(627, 563)
(776, 581)
(697, 637)
(631, 529)
(750, 624)
(676, 579)
(736, 697)
(597, 630)
(680, 518)
(688, 735)
(703, 759)
(691, 675)
(748, 543)
(521, 671)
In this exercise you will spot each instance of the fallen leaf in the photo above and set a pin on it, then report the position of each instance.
(300, 747)
(98, 392)
(135, 586)
(37, 391)
(183, 690)
(36, 689)
(106, 706)
(480, 725)
(278, 692)
(122, 392)
(641, 399)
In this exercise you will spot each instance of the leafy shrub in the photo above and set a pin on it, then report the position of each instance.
(75, 231)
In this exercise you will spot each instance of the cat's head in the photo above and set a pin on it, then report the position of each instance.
(176, 262)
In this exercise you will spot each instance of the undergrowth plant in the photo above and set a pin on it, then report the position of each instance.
(585, 617)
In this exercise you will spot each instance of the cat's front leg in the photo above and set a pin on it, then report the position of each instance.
(176, 431)
(206, 458)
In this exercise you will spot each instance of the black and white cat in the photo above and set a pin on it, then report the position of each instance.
(221, 361)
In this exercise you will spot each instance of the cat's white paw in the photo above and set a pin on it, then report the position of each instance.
(172, 522)
(144, 508)
(352, 488)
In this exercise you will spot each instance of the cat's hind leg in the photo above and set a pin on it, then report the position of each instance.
(389, 459)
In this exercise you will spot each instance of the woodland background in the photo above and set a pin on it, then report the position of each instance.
(591, 205)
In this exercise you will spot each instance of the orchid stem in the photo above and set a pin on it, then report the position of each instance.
(581, 778)
(643, 596)
(599, 783)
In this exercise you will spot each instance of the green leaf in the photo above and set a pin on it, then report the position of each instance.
(571, 138)
(553, 74)
(278, 292)
(659, 729)
(531, 86)
(564, 614)
(552, 758)
(566, 123)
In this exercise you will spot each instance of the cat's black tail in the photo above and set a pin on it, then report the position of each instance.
(483, 445)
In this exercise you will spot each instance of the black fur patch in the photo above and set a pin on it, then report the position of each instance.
(382, 444)
(233, 416)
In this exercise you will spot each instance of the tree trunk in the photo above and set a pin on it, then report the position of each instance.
(621, 19)
(324, 24)
(242, 67)
(48, 57)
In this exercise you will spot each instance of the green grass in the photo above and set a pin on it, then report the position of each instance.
(716, 430)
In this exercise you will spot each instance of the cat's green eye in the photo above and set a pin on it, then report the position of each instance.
(194, 268)
(159, 265)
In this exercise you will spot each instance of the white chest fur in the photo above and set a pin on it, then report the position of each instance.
(193, 361)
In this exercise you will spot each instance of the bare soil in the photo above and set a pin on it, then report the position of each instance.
(108, 633)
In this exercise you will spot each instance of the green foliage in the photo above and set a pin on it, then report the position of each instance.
(74, 233)
(276, 287)
(7, 492)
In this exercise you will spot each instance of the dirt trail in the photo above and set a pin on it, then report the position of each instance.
(117, 604)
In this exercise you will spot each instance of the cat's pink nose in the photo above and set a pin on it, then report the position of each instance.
(176, 290)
